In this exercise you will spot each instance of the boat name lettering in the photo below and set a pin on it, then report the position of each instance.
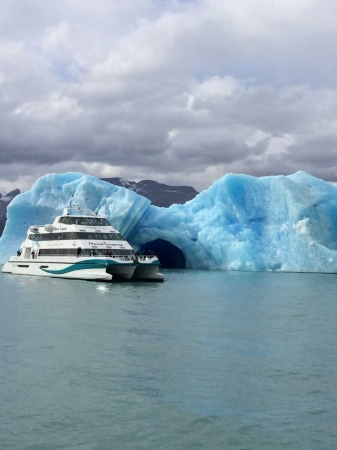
(106, 244)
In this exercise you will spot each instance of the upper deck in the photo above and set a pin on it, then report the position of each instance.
(75, 219)
(79, 216)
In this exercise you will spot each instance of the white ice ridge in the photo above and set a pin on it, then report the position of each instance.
(280, 223)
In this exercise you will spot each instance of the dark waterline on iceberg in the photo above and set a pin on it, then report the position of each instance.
(207, 360)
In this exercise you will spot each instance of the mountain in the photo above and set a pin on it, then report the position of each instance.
(158, 193)
(4, 202)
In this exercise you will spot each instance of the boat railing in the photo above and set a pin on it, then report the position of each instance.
(143, 257)
(40, 257)
(77, 210)
(121, 257)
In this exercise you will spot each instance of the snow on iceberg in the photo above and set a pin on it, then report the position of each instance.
(280, 223)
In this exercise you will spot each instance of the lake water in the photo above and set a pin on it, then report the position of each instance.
(206, 360)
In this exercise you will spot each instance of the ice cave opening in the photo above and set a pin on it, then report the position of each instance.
(170, 256)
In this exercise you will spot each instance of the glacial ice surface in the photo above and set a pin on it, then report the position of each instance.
(277, 223)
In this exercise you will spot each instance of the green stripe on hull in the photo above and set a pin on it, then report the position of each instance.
(84, 265)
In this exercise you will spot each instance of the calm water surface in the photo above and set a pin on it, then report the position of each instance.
(206, 360)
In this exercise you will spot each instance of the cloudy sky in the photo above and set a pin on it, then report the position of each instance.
(179, 91)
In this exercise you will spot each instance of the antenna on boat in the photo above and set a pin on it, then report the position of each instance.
(71, 199)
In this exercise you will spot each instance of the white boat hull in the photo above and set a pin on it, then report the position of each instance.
(74, 268)
(84, 268)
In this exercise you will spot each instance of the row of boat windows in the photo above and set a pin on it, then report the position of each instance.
(92, 221)
(73, 236)
(84, 252)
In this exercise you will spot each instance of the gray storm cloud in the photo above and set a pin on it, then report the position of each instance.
(176, 91)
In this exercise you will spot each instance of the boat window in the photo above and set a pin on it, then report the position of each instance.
(65, 220)
(76, 236)
(84, 252)
(57, 251)
(90, 221)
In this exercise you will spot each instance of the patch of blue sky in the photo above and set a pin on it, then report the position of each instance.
(68, 71)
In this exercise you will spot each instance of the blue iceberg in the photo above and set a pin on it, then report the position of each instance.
(276, 223)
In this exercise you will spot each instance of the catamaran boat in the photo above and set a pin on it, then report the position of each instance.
(82, 245)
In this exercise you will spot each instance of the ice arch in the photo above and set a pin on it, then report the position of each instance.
(170, 256)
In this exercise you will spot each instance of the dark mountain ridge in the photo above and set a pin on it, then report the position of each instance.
(158, 193)
(4, 202)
